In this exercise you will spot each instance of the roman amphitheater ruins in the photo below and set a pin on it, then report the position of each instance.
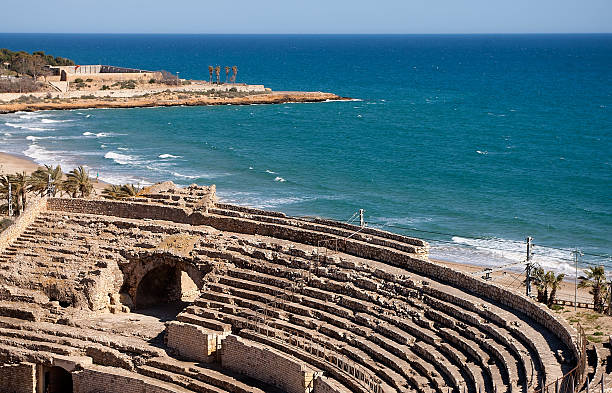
(264, 303)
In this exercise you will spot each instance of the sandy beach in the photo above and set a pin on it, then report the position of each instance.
(10, 163)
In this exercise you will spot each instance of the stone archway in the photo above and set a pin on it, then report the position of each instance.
(164, 284)
(63, 76)
(56, 380)
(159, 278)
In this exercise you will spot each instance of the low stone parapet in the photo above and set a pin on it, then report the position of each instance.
(193, 342)
(268, 365)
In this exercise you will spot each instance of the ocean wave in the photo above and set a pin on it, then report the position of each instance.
(51, 121)
(41, 155)
(279, 179)
(497, 251)
(27, 126)
(113, 178)
(98, 135)
(168, 156)
(121, 159)
(482, 152)
(270, 172)
(260, 201)
(35, 138)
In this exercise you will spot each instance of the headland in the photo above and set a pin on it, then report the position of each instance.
(48, 83)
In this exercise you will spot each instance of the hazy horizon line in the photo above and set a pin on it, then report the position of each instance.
(320, 34)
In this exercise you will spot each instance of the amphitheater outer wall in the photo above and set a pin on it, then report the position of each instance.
(26, 218)
(448, 275)
(18, 378)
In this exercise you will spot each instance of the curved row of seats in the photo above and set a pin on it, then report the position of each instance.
(475, 346)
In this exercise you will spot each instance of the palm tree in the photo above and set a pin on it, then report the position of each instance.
(555, 282)
(121, 191)
(596, 280)
(227, 70)
(211, 69)
(78, 182)
(19, 183)
(39, 180)
(112, 192)
(539, 280)
(218, 73)
(234, 73)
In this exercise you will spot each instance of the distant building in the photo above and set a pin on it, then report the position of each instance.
(101, 73)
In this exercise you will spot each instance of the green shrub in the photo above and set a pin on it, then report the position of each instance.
(88, 97)
(152, 80)
(105, 87)
(88, 80)
(233, 90)
(5, 223)
(78, 80)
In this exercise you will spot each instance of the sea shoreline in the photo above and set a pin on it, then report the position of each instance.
(10, 163)
(592, 322)
(149, 102)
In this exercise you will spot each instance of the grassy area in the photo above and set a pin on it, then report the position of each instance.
(598, 327)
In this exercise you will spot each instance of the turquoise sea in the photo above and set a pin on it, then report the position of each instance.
(472, 142)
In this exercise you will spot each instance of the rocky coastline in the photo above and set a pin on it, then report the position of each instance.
(161, 101)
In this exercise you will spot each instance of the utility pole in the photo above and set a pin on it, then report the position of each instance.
(10, 200)
(361, 221)
(49, 186)
(576, 253)
(528, 271)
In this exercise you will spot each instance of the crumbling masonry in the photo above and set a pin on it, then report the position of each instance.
(266, 303)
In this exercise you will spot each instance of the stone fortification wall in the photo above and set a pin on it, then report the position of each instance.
(420, 265)
(18, 378)
(112, 77)
(27, 217)
(267, 365)
(127, 93)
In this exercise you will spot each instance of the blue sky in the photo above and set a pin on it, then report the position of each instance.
(307, 16)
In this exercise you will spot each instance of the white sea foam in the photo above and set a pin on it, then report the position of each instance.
(43, 156)
(35, 138)
(496, 251)
(121, 159)
(27, 126)
(186, 176)
(98, 135)
(279, 179)
(270, 172)
(482, 152)
(164, 156)
(123, 148)
(49, 121)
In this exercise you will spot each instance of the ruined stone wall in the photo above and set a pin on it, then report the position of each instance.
(325, 385)
(265, 364)
(113, 77)
(27, 217)
(192, 342)
(113, 380)
(421, 265)
(18, 378)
